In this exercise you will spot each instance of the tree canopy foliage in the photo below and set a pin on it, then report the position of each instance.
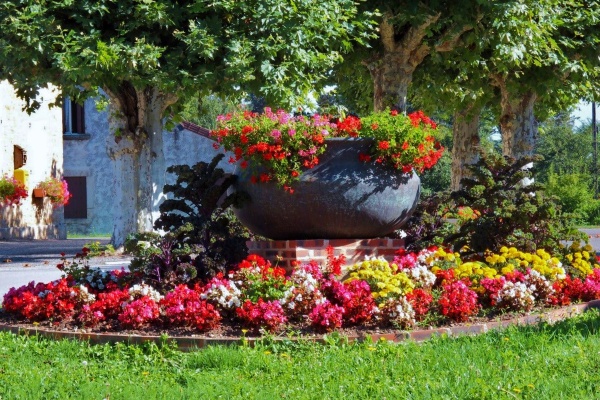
(280, 49)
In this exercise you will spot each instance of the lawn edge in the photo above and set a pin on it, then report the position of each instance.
(190, 343)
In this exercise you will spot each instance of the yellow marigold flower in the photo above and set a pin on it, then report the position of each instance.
(508, 269)
(524, 263)
(503, 249)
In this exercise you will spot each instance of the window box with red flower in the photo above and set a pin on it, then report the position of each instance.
(341, 178)
(12, 192)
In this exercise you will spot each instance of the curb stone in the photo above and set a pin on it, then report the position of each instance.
(190, 343)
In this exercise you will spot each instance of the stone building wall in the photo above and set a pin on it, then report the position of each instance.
(40, 135)
(86, 156)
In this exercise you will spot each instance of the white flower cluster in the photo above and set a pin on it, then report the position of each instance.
(97, 278)
(294, 296)
(425, 258)
(399, 312)
(137, 291)
(85, 296)
(516, 296)
(226, 296)
(421, 275)
(539, 285)
(304, 290)
(305, 279)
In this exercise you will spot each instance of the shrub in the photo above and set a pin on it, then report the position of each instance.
(510, 213)
(197, 212)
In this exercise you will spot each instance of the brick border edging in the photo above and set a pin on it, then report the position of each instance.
(188, 343)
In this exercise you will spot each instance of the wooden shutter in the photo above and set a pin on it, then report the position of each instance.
(77, 206)
(78, 118)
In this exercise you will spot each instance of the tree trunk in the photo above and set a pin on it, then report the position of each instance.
(392, 73)
(390, 85)
(137, 149)
(517, 125)
(465, 148)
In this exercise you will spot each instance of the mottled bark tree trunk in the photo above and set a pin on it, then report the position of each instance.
(393, 70)
(518, 126)
(517, 120)
(465, 148)
(137, 149)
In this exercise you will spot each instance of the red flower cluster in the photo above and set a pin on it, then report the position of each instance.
(350, 126)
(354, 297)
(326, 317)
(42, 301)
(183, 307)
(268, 315)
(418, 117)
(11, 191)
(420, 300)
(458, 302)
(139, 313)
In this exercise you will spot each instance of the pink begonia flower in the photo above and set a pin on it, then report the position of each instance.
(291, 132)
(276, 134)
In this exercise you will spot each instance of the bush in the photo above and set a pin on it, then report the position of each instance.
(197, 215)
(510, 213)
(575, 196)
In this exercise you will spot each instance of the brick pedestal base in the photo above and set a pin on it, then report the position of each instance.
(355, 250)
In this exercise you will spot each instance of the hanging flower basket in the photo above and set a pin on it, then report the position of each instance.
(39, 193)
(56, 190)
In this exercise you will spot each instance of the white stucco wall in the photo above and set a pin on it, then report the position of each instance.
(40, 135)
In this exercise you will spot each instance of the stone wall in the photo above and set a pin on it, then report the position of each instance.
(87, 156)
(40, 135)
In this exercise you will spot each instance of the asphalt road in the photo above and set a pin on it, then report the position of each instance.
(23, 261)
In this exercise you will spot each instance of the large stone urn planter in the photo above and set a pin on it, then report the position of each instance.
(341, 198)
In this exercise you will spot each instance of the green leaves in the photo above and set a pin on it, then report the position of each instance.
(278, 48)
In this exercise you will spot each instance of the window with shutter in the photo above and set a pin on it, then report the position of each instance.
(73, 117)
(77, 206)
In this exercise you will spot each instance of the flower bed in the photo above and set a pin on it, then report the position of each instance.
(285, 145)
(428, 289)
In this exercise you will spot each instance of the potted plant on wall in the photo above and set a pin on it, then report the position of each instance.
(12, 192)
(318, 177)
(57, 190)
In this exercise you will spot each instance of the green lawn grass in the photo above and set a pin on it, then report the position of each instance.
(540, 362)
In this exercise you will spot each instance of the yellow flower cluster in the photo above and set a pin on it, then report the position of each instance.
(474, 270)
(581, 261)
(383, 278)
(541, 261)
(441, 259)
